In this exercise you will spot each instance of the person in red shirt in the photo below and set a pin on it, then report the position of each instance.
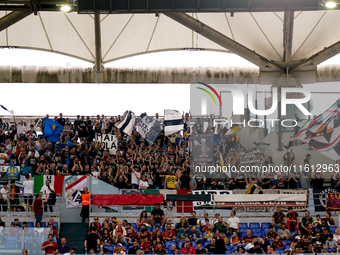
(38, 208)
(49, 246)
(169, 234)
(145, 245)
(188, 248)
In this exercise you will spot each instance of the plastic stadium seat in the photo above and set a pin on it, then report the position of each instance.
(30, 224)
(43, 224)
(56, 225)
(293, 233)
(18, 222)
(134, 226)
(206, 243)
(179, 244)
(254, 225)
(265, 224)
(332, 229)
(287, 246)
(285, 242)
(228, 246)
(234, 248)
(280, 251)
(109, 247)
(243, 225)
(228, 252)
(270, 241)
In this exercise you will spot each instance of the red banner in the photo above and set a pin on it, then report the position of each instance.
(184, 206)
(127, 199)
(333, 202)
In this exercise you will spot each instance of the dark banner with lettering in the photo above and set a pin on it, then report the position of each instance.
(320, 198)
(333, 202)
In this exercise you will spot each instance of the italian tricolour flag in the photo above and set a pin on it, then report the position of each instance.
(56, 182)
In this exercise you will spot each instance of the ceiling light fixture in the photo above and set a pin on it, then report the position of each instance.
(330, 4)
(65, 8)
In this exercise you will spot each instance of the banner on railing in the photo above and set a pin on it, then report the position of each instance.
(9, 173)
(282, 200)
(127, 199)
(333, 202)
(74, 185)
(208, 204)
(108, 141)
(320, 198)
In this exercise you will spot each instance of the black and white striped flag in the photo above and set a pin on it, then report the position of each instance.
(173, 122)
(127, 123)
(3, 107)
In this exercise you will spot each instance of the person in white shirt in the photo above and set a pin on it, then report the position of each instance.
(4, 197)
(46, 190)
(233, 223)
(21, 129)
(28, 192)
(143, 183)
(135, 178)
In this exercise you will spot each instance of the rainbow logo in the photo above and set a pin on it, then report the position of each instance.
(209, 93)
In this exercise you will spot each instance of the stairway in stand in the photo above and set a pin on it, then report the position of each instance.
(75, 234)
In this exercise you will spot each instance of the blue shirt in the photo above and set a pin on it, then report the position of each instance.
(64, 249)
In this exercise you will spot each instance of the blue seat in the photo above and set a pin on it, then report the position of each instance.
(293, 233)
(280, 251)
(234, 248)
(270, 241)
(134, 226)
(228, 252)
(206, 243)
(286, 242)
(18, 223)
(179, 243)
(109, 247)
(228, 246)
(265, 224)
(30, 224)
(56, 225)
(254, 225)
(243, 225)
(43, 224)
(287, 246)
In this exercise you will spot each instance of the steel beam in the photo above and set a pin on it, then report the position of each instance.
(98, 46)
(288, 26)
(13, 18)
(224, 41)
(312, 62)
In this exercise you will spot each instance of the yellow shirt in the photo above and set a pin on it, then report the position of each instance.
(171, 181)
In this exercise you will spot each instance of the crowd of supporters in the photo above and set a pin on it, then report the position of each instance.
(138, 165)
(155, 234)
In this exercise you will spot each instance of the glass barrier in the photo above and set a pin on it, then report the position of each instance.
(15, 238)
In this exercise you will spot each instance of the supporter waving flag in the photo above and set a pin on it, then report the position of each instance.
(52, 130)
(173, 122)
(127, 123)
(10, 111)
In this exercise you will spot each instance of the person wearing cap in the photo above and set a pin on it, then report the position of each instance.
(16, 223)
(85, 204)
(4, 197)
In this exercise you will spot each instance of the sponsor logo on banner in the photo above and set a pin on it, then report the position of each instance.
(108, 142)
(12, 172)
(9, 173)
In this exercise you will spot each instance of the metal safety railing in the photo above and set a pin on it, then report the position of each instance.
(315, 204)
(19, 204)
